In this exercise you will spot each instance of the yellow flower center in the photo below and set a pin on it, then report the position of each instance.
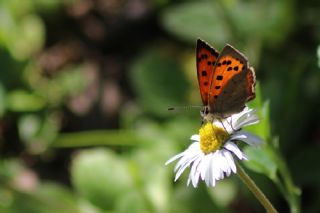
(212, 137)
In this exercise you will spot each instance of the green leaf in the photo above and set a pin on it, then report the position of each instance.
(61, 199)
(270, 20)
(48, 199)
(101, 177)
(38, 132)
(29, 126)
(9, 169)
(131, 202)
(71, 81)
(153, 175)
(158, 81)
(197, 19)
(28, 37)
(22, 101)
(262, 160)
(262, 129)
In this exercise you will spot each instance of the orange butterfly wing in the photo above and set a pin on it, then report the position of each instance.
(206, 59)
(232, 84)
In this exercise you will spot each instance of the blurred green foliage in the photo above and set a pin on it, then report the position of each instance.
(84, 91)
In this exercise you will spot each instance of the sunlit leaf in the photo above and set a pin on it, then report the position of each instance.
(262, 160)
(101, 177)
(131, 201)
(153, 174)
(29, 126)
(270, 21)
(197, 19)
(37, 132)
(10, 168)
(22, 101)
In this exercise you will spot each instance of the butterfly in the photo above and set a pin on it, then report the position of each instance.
(226, 80)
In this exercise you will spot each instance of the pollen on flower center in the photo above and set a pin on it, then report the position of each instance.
(212, 137)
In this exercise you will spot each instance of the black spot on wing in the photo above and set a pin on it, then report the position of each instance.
(219, 77)
(204, 56)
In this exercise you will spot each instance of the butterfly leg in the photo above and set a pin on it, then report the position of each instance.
(231, 125)
(222, 124)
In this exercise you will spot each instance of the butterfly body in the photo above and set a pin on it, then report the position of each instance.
(226, 80)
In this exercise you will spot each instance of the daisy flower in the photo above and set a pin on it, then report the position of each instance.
(210, 156)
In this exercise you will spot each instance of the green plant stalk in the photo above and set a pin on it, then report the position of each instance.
(290, 191)
(255, 190)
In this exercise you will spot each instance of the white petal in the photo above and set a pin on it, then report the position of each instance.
(204, 166)
(235, 117)
(224, 124)
(188, 181)
(210, 178)
(206, 169)
(216, 164)
(184, 166)
(188, 154)
(247, 138)
(244, 157)
(244, 118)
(236, 121)
(234, 149)
(254, 119)
(174, 158)
(180, 155)
(230, 160)
(224, 166)
(194, 172)
(195, 138)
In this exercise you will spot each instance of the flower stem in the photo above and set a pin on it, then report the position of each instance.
(255, 190)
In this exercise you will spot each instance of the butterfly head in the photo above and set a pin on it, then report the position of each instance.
(206, 115)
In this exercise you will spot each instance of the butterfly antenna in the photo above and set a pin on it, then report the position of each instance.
(183, 108)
